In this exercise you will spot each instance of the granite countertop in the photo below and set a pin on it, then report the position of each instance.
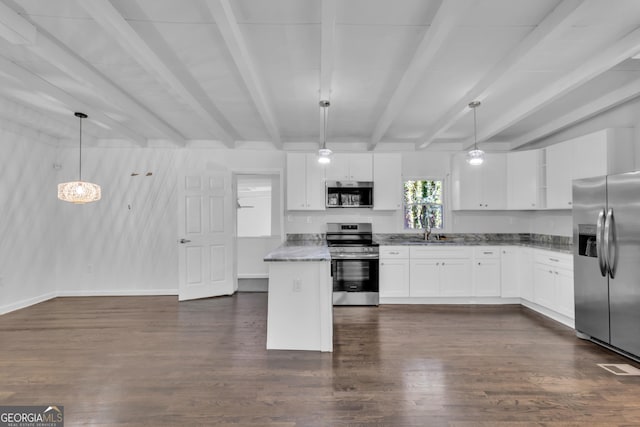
(300, 250)
(316, 249)
(561, 246)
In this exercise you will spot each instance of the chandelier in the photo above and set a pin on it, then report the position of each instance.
(79, 192)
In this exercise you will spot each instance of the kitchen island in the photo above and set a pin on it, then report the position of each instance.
(300, 300)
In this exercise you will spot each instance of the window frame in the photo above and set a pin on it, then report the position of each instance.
(442, 197)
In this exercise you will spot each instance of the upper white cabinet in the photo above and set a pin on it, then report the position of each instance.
(605, 152)
(559, 165)
(480, 187)
(305, 182)
(350, 167)
(387, 181)
(523, 180)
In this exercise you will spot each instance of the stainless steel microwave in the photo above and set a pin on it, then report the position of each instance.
(349, 194)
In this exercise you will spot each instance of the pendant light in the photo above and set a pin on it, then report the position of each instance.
(79, 192)
(475, 157)
(324, 153)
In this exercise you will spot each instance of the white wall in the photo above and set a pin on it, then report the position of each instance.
(28, 220)
(127, 243)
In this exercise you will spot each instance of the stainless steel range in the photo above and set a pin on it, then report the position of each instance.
(354, 263)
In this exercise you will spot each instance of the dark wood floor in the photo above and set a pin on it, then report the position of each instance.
(152, 360)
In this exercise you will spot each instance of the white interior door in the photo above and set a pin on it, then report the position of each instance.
(205, 236)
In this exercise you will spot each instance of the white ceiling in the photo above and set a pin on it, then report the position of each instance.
(398, 73)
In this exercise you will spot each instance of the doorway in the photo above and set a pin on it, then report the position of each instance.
(258, 211)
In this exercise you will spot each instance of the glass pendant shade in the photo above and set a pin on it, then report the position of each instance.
(324, 153)
(79, 192)
(475, 157)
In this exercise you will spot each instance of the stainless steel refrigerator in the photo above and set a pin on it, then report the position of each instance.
(606, 236)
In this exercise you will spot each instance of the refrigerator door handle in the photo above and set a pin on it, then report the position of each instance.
(610, 243)
(602, 262)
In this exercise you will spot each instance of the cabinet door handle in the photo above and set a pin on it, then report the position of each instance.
(382, 263)
(488, 253)
(394, 253)
(550, 272)
(554, 259)
(478, 263)
(556, 272)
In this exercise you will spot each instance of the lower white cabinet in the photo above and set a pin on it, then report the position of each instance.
(440, 272)
(509, 272)
(394, 271)
(541, 277)
(553, 282)
(486, 271)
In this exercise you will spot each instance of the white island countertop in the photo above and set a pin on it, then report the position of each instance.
(300, 301)
(300, 250)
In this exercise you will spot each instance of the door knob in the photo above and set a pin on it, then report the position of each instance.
(183, 241)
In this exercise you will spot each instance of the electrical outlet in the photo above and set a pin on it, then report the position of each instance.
(297, 285)
(308, 220)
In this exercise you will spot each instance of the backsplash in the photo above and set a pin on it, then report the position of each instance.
(461, 237)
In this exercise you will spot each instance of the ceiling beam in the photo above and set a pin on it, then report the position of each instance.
(606, 102)
(14, 28)
(556, 21)
(52, 51)
(327, 53)
(105, 15)
(228, 26)
(37, 84)
(441, 27)
(581, 74)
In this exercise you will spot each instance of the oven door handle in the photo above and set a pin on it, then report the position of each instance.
(355, 256)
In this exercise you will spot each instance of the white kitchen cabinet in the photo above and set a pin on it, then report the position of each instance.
(605, 152)
(305, 182)
(486, 271)
(440, 271)
(523, 183)
(559, 169)
(455, 278)
(350, 167)
(525, 276)
(425, 277)
(553, 282)
(480, 187)
(387, 181)
(394, 271)
(509, 272)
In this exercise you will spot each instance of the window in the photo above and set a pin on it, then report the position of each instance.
(422, 203)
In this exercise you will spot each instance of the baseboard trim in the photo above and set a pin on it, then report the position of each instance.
(118, 293)
(26, 303)
(450, 300)
(553, 315)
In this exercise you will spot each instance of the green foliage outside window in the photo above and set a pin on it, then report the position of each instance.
(422, 203)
